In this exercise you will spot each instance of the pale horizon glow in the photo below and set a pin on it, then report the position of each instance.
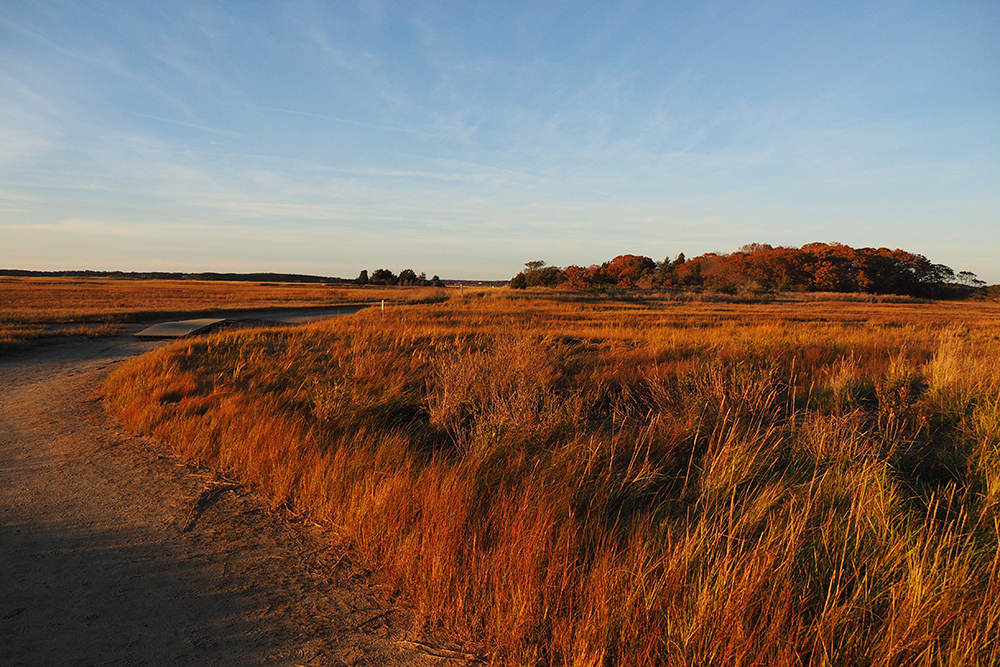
(466, 138)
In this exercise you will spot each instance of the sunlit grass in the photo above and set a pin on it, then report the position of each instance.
(601, 483)
(33, 308)
(46, 300)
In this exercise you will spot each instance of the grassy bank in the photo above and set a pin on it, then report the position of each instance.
(605, 483)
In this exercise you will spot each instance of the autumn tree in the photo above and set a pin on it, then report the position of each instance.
(829, 267)
(626, 270)
(584, 277)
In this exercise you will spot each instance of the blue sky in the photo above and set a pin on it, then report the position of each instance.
(465, 138)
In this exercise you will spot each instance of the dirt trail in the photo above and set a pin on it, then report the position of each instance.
(113, 553)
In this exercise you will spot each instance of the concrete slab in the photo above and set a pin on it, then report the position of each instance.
(179, 329)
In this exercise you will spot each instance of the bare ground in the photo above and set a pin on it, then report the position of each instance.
(112, 552)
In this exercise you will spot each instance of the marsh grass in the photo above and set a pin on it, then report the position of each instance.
(34, 308)
(20, 336)
(608, 483)
(66, 300)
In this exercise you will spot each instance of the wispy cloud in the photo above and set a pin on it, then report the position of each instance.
(202, 128)
(349, 121)
(389, 129)
(99, 55)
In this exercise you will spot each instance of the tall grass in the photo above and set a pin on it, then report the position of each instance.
(602, 483)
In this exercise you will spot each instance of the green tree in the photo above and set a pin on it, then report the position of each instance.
(383, 277)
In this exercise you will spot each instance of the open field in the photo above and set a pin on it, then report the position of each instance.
(32, 308)
(587, 483)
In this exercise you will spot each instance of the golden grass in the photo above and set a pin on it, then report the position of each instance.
(43, 300)
(602, 483)
(30, 306)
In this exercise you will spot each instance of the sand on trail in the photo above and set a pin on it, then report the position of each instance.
(113, 552)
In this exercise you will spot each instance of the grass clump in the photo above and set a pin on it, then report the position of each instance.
(653, 483)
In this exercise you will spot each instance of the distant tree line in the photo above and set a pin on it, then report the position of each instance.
(176, 275)
(405, 277)
(816, 267)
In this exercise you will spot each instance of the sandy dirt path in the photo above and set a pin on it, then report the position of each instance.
(114, 553)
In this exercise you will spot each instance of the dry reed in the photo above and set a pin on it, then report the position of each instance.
(671, 483)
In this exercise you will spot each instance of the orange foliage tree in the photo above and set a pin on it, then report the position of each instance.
(816, 267)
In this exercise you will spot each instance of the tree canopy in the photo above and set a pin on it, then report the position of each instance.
(759, 267)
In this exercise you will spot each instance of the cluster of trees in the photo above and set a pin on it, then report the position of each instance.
(816, 267)
(405, 277)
